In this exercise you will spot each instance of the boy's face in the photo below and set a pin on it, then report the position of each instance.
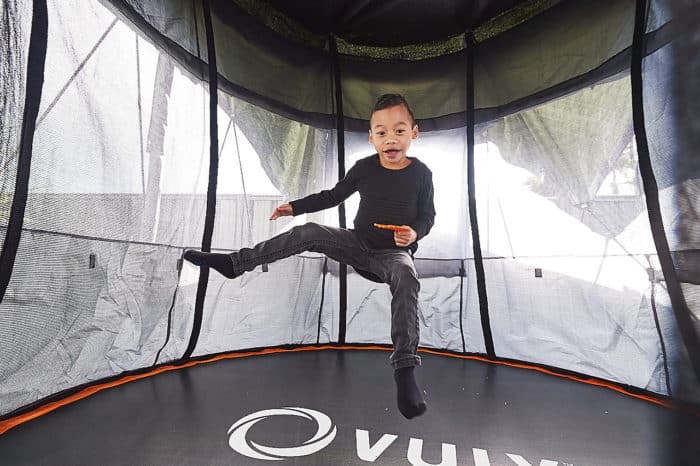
(391, 132)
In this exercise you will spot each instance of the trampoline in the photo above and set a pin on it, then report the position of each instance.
(559, 304)
(479, 413)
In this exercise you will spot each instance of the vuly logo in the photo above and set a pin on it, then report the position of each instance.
(238, 441)
(326, 432)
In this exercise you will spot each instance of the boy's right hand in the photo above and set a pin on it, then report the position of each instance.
(282, 211)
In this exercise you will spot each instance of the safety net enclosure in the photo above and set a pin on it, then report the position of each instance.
(562, 137)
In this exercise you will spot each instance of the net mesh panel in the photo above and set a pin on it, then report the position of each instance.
(175, 19)
(269, 66)
(118, 182)
(265, 160)
(15, 22)
(296, 159)
(65, 324)
(530, 57)
(122, 135)
(568, 40)
(439, 303)
(245, 313)
(672, 120)
(567, 240)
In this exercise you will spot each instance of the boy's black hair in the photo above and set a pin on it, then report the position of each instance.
(392, 100)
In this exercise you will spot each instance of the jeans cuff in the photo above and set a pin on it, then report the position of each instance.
(406, 361)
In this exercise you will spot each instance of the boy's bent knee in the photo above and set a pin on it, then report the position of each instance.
(404, 276)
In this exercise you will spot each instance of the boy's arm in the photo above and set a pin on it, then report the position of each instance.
(329, 197)
(426, 209)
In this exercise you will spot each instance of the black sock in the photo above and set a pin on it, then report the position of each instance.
(219, 262)
(408, 395)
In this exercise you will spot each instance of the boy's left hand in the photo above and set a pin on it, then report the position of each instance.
(405, 236)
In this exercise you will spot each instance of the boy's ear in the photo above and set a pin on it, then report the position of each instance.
(370, 136)
(414, 132)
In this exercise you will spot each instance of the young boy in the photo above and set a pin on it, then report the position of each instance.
(394, 189)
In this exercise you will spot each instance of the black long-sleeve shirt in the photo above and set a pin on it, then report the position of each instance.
(397, 197)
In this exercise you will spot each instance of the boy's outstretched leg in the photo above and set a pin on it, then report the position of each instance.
(220, 262)
(408, 395)
(337, 243)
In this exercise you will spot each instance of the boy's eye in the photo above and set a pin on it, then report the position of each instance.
(380, 133)
(399, 131)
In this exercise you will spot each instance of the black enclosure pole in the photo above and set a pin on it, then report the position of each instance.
(36, 63)
(651, 193)
(340, 130)
(476, 242)
(213, 176)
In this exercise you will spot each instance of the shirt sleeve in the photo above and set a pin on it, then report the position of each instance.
(426, 209)
(329, 197)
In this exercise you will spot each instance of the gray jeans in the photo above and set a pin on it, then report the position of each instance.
(393, 266)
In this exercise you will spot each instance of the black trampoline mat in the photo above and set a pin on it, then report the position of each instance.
(486, 414)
